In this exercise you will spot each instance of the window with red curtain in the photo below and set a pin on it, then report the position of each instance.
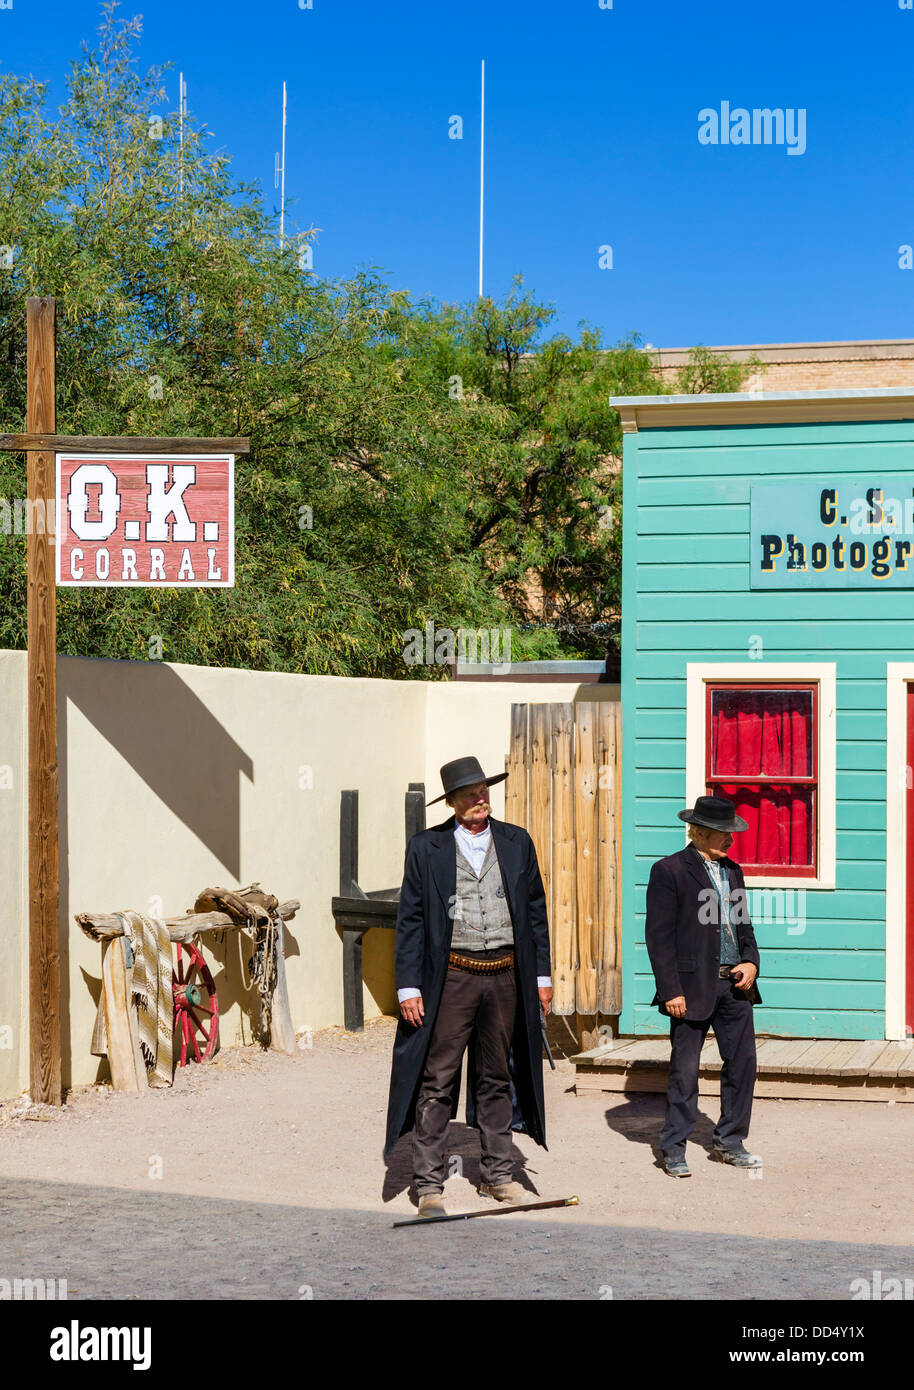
(761, 743)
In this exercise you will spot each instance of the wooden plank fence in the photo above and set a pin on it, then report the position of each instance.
(564, 786)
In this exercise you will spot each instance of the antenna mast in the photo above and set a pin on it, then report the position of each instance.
(279, 175)
(182, 111)
(482, 145)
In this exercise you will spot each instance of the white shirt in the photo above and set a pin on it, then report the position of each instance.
(474, 849)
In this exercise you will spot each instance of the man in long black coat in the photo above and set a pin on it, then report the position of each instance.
(705, 960)
(472, 960)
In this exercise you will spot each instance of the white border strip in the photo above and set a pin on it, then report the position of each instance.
(897, 675)
(761, 673)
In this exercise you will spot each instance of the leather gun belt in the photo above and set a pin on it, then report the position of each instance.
(480, 967)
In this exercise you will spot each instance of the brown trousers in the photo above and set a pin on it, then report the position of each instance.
(486, 1003)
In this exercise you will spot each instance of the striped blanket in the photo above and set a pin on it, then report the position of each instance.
(152, 993)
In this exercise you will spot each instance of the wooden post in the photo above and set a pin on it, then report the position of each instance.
(610, 820)
(540, 804)
(349, 844)
(282, 1031)
(415, 809)
(40, 443)
(587, 859)
(44, 939)
(516, 768)
(564, 904)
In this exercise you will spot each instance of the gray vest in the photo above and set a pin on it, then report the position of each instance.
(482, 921)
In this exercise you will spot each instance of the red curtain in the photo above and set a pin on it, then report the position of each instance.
(765, 733)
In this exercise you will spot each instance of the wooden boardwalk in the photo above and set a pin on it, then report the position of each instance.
(792, 1068)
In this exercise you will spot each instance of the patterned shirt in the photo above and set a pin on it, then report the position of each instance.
(719, 875)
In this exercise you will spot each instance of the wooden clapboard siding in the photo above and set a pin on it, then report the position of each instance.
(798, 994)
(687, 597)
(564, 787)
(787, 1023)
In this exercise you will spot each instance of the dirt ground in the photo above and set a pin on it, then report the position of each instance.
(269, 1169)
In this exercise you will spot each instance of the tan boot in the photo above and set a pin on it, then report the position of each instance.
(431, 1204)
(505, 1192)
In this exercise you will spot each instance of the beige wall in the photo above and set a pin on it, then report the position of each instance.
(14, 1044)
(177, 778)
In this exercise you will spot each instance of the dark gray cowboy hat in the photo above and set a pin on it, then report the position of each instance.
(463, 772)
(716, 812)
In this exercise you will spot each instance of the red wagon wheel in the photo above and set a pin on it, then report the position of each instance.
(196, 1006)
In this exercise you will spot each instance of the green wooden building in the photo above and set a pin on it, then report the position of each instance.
(768, 656)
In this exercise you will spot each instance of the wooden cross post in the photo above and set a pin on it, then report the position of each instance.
(44, 932)
(40, 443)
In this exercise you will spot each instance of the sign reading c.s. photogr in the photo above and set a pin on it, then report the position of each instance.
(145, 520)
(833, 534)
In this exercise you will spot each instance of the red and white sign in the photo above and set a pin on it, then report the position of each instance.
(165, 520)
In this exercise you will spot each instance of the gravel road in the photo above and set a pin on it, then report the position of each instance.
(269, 1170)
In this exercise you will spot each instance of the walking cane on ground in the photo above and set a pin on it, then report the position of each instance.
(488, 1211)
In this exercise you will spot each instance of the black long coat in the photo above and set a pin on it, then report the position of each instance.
(683, 936)
(424, 929)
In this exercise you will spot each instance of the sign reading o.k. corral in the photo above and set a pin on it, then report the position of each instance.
(145, 520)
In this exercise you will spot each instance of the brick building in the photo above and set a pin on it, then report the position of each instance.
(810, 366)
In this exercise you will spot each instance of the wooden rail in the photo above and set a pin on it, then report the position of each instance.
(102, 926)
(118, 444)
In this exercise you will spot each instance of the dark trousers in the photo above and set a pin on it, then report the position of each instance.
(735, 1033)
(485, 1003)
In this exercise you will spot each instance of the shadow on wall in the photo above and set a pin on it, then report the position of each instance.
(378, 973)
(182, 753)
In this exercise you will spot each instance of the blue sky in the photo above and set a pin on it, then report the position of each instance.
(591, 140)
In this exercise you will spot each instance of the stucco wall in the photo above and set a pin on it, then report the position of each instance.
(175, 778)
(14, 1045)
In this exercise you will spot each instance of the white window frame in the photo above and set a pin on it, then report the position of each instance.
(698, 673)
(897, 676)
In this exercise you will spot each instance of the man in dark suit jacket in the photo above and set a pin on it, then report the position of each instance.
(472, 962)
(705, 961)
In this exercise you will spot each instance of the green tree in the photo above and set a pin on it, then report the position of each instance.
(410, 462)
(178, 314)
(546, 507)
(708, 371)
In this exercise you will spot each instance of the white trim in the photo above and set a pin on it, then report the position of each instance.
(873, 393)
(760, 673)
(897, 674)
(714, 409)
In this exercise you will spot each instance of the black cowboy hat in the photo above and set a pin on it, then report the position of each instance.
(716, 812)
(463, 772)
